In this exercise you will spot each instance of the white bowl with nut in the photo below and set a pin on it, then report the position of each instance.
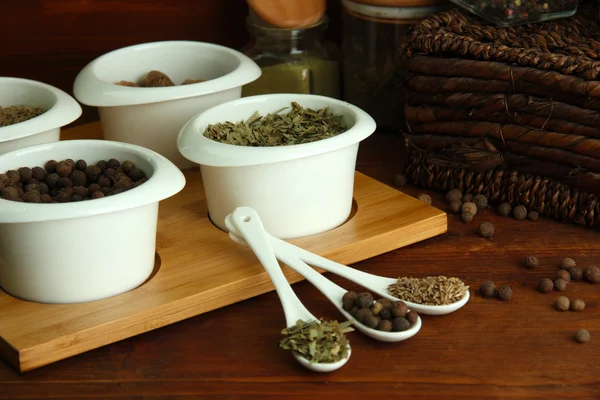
(82, 228)
(297, 189)
(145, 93)
(32, 112)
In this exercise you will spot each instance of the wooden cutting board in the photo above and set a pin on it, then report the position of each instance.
(199, 269)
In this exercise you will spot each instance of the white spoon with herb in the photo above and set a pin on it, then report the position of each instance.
(253, 233)
(244, 225)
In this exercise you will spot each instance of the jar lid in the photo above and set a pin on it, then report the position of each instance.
(391, 14)
(401, 3)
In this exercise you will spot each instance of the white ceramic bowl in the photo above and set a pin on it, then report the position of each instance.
(297, 190)
(61, 109)
(152, 117)
(83, 251)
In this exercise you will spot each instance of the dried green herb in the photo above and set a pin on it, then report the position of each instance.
(300, 125)
(15, 114)
(318, 341)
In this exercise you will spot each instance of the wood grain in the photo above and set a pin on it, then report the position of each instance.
(488, 350)
(201, 269)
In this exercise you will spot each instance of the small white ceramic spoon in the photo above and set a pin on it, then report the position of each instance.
(245, 223)
(375, 283)
(293, 309)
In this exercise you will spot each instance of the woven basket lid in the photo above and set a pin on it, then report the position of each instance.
(401, 3)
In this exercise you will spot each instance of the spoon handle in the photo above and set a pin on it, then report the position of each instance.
(248, 224)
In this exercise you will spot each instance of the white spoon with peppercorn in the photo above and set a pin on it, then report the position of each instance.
(245, 226)
(251, 229)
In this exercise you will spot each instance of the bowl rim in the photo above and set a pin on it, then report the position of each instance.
(64, 111)
(166, 181)
(194, 146)
(93, 91)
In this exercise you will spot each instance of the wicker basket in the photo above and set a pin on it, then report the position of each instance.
(513, 113)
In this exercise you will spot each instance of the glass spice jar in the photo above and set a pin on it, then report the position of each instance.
(293, 60)
(372, 75)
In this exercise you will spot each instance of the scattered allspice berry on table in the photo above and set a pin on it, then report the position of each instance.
(564, 275)
(576, 273)
(562, 303)
(480, 201)
(454, 194)
(519, 213)
(425, 198)
(487, 289)
(470, 208)
(567, 263)
(560, 285)
(531, 262)
(582, 336)
(504, 209)
(504, 293)
(592, 274)
(466, 217)
(545, 285)
(533, 215)
(486, 230)
(400, 180)
(455, 206)
(467, 198)
(577, 305)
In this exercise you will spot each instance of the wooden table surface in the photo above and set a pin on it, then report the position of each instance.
(489, 349)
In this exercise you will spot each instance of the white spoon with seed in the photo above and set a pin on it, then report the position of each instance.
(252, 231)
(244, 224)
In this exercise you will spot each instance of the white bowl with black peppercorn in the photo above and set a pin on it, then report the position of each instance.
(56, 247)
(145, 93)
(300, 188)
(32, 112)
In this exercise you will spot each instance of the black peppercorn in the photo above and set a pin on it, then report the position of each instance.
(504, 293)
(81, 165)
(564, 275)
(399, 309)
(400, 324)
(567, 263)
(562, 303)
(480, 201)
(362, 314)
(592, 274)
(582, 336)
(505, 209)
(113, 163)
(531, 262)
(545, 285)
(455, 206)
(454, 195)
(50, 166)
(519, 213)
(412, 317)
(486, 230)
(576, 273)
(385, 325)
(425, 198)
(364, 299)
(560, 285)
(348, 300)
(487, 289)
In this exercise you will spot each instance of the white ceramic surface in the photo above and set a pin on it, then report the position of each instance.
(83, 251)
(152, 117)
(61, 109)
(247, 225)
(298, 190)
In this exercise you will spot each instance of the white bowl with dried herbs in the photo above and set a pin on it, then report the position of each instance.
(32, 112)
(145, 93)
(291, 157)
(78, 218)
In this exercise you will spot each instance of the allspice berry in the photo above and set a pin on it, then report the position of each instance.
(425, 198)
(486, 230)
(562, 303)
(582, 336)
(63, 169)
(81, 165)
(400, 324)
(453, 195)
(372, 321)
(519, 213)
(505, 209)
(592, 274)
(364, 299)
(545, 285)
(376, 308)
(504, 293)
(576, 273)
(567, 263)
(533, 216)
(385, 325)
(25, 173)
(399, 309)
(455, 206)
(480, 201)
(412, 317)
(155, 79)
(385, 303)
(50, 166)
(386, 313)
(564, 275)
(487, 289)
(531, 262)
(362, 314)
(348, 300)
(467, 198)
(400, 180)
(466, 217)
(560, 285)
(470, 208)
(577, 305)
